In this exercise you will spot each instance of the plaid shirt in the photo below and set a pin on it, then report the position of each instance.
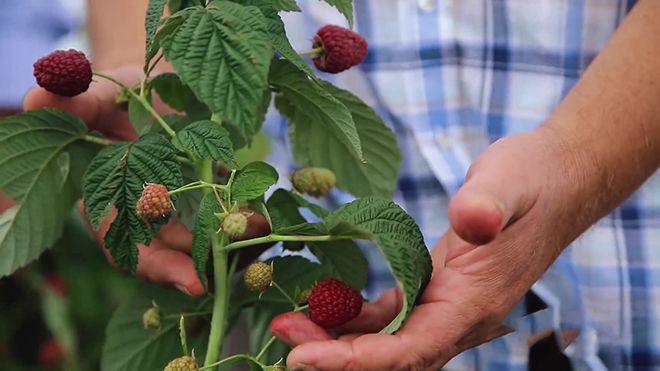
(453, 76)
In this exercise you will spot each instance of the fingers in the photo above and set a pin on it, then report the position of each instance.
(96, 107)
(295, 328)
(170, 267)
(375, 316)
(176, 236)
(491, 198)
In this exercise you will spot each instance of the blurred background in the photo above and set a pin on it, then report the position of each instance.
(64, 300)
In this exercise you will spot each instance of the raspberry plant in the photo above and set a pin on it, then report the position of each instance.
(232, 60)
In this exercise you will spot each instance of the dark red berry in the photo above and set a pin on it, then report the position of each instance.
(342, 49)
(64, 72)
(332, 303)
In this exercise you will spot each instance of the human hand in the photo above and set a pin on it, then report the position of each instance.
(166, 260)
(508, 224)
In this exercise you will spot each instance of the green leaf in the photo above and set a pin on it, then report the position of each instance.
(399, 239)
(206, 139)
(154, 12)
(283, 209)
(176, 5)
(170, 24)
(319, 110)
(175, 93)
(43, 156)
(131, 347)
(285, 5)
(253, 181)
(320, 145)
(379, 175)
(223, 53)
(345, 7)
(205, 224)
(116, 178)
(277, 33)
(343, 259)
(138, 115)
(244, 135)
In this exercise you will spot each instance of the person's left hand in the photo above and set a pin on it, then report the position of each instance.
(508, 225)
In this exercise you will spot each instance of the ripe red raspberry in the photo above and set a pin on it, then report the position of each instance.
(333, 303)
(154, 203)
(64, 72)
(342, 49)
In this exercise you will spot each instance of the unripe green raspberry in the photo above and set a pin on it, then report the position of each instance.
(315, 181)
(258, 276)
(151, 317)
(234, 224)
(185, 363)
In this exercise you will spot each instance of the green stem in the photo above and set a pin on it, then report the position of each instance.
(265, 348)
(289, 298)
(313, 52)
(197, 185)
(228, 359)
(220, 301)
(179, 315)
(143, 101)
(97, 140)
(182, 335)
(279, 238)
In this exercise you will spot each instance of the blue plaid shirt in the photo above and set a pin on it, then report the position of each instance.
(451, 77)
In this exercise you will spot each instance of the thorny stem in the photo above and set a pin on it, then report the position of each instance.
(143, 101)
(279, 238)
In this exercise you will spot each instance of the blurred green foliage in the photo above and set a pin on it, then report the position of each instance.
(67, 295)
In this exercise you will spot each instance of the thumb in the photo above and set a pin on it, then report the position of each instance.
(496, 192)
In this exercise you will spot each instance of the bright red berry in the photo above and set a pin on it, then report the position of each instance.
(64, 72)
(333, 303)
(154, 203)
(342, 49)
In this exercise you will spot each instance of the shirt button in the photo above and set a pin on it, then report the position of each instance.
(426, 5)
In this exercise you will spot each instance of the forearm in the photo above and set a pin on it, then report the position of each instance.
(609, 125)
(116, 30)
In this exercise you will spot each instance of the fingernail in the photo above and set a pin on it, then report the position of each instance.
(303, 367)
(182, 288)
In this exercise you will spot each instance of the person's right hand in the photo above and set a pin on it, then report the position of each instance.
(167, 259)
